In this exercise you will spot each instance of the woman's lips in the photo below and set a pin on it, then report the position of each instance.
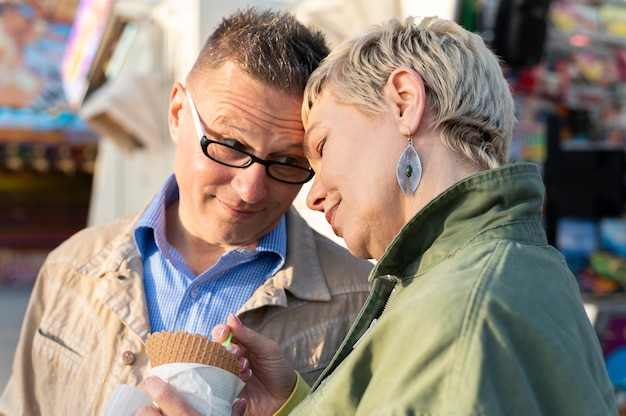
(330, 217)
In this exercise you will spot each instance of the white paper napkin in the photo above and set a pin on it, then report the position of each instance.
(126, 401)
(211, 390)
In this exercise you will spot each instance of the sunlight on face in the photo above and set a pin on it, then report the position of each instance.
(225, 205)
(355, 175)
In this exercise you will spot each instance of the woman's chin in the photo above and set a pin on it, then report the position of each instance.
(358, 250)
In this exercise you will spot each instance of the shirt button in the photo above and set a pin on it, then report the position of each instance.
(195, 293)
(128, 358)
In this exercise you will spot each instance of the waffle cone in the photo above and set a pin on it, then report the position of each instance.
(182, 347)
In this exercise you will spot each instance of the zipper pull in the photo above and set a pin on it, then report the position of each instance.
(358, 341)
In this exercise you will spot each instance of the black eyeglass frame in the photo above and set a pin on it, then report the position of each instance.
(205, 142)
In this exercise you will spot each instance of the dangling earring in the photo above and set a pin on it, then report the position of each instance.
(409, 169)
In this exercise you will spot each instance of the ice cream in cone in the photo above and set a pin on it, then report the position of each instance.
(204, 372)
(183, 347)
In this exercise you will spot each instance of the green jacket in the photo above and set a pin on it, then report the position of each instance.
(471, 313)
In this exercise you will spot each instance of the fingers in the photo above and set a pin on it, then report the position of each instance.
(248, 340)
(245, 371)
(220, 332)
(239, 407)
(166, 398)
(153, 411)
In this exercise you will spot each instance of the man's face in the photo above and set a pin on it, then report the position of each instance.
(228, 206)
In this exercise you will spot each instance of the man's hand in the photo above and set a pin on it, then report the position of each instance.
(171, 403)
(167, 399)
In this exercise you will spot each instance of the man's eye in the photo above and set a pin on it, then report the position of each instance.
(296, 161)
(233, 143)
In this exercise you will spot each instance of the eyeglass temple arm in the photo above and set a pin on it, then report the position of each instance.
(196, 118)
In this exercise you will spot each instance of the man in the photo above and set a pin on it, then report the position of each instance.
(219, 238)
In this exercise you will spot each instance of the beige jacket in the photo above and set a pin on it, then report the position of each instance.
(87, 319)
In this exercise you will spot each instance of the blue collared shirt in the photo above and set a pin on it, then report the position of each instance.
(180, 301)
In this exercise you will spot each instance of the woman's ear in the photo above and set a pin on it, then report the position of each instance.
(406, 94)
(177, 95)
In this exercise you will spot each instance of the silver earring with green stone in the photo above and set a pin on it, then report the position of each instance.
(409, 169)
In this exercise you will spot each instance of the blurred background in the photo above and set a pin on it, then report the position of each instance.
(84, 88)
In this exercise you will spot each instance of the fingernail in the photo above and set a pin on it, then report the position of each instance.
(221, 333)
(236, 318)
(240, 406)
(149, 382)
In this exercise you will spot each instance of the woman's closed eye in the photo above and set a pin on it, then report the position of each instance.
(320, 147)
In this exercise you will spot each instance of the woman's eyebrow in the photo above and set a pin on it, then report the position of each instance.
(308, 152)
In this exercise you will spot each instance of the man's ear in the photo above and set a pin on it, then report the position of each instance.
(406, 94)
(174, 114)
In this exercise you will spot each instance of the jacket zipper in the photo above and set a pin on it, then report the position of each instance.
(375, 320)
(358, 341)
(345, 347)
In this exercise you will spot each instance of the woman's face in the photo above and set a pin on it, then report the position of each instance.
(354, 156)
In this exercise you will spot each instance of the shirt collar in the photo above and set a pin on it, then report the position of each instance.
(151, 224)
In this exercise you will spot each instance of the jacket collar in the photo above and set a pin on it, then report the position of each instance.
(302, 261)
(119, 268)
(477, 208)
(119, 261)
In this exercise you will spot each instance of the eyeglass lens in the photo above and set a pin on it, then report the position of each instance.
(232, 157)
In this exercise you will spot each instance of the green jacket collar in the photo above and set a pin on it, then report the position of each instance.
(476, 208)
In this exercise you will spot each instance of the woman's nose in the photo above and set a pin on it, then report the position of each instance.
(316, 196)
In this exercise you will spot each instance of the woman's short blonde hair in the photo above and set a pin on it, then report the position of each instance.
(470, 100)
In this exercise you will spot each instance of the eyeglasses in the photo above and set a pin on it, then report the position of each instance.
(227, 155)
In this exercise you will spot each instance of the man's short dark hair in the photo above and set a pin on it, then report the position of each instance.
(271, 46)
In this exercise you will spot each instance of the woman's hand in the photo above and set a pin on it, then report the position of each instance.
(269, 377)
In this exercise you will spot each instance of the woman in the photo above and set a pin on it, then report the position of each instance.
(408, 127)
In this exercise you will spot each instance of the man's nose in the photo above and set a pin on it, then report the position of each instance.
(251, 183)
